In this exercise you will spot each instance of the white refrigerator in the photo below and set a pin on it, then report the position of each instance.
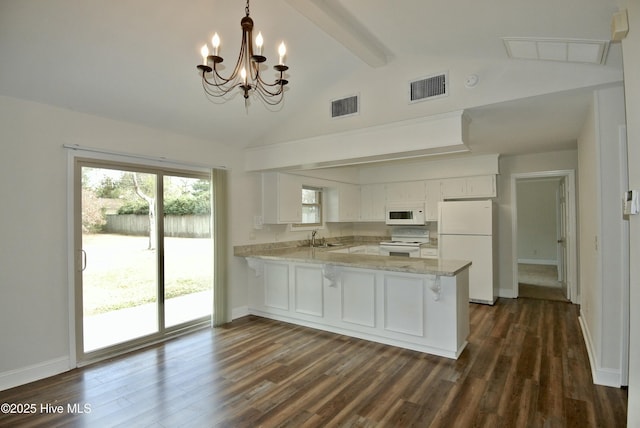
(467, 231)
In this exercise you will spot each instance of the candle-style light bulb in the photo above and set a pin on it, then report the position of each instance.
(282, 50)
(259, 42)
(205, 53)
(243, 74)
(215, 42)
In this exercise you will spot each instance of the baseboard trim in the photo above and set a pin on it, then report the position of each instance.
(538, 262)
(507, 293)
(240, 312)
(24, 375)
(600, 376)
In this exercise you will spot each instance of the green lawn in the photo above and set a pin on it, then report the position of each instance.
(121, 271)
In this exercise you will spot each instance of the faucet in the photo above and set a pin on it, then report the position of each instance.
(312, 242)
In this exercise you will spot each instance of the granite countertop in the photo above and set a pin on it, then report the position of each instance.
(389, 263)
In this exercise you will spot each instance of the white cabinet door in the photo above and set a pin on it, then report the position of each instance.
(343, 203)
(281, 198)
(454, 188)
(308, 290)
(406, 191)
(358, 297)
(404, 304)
(350, 202)
(276, 286)
(433, 196)
(481, 186)
(372, 202)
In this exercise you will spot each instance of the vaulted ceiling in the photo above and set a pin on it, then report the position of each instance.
(136, 61)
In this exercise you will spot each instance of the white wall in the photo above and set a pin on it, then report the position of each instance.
(631, 53)
(34, 307)
(600, 230)
(509, 165)
(537, 218)
(429, 169)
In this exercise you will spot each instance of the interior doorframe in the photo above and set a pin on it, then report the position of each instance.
(570, 195)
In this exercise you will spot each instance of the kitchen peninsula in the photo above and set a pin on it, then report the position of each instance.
(413, 303)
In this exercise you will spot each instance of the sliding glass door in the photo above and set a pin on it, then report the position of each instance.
(144, 255)
(188, 251)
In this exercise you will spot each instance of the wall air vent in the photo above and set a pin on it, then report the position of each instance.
(345, 106)
(429, 87)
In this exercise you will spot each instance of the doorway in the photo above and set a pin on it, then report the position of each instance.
(543, 235)
(144, 255)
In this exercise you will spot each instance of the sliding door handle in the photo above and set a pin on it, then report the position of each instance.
(83, 260)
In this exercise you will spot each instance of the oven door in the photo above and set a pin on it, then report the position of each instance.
(399, 250)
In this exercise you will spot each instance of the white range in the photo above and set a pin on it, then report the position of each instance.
(408, 242)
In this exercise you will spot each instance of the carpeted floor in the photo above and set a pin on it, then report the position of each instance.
(546, 275)
(539, 282)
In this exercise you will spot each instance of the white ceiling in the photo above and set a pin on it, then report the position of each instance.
(135, 61)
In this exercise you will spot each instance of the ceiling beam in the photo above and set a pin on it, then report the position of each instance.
(331, 17)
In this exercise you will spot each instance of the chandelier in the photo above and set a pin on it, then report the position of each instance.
(245, 75)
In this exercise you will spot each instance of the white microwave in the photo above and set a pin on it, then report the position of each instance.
(397, 215)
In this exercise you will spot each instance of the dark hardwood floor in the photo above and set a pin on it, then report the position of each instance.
(525, 366)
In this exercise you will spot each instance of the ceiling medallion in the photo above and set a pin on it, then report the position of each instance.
(246, 72)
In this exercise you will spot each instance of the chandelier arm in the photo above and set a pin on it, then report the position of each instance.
(215, 81)
(217, 90)
(275, 84)
(270, 101)
(264, 90)
(236, 69)
(219, 93)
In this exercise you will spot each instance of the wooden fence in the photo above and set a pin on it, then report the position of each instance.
(182, 226)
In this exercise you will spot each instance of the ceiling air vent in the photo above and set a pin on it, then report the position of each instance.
(345, 106)
(429, 87)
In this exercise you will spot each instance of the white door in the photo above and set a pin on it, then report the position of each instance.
(561, 227)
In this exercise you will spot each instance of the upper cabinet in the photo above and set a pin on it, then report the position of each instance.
(372, 202)
(281, 198)
(343, 203)
(406, 191)
(433, 196)
(481, 186)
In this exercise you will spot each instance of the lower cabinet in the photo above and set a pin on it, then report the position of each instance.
(308, 292)
(276, 286)
(420, 312)
(358, 297)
